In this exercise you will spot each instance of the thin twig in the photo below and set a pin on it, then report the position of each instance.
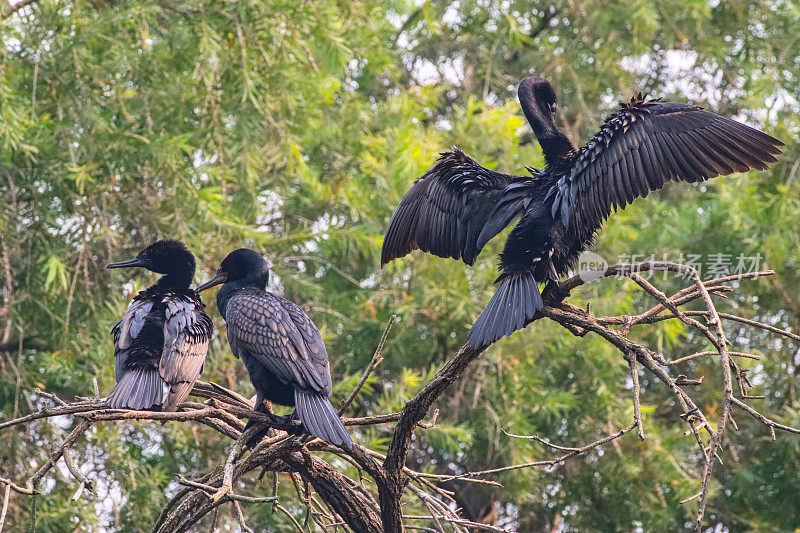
(758, 416)
(230, 496)
(56, 455)
(549, 462)
(704, 354)
(459, 521)
(716, 439)
(373, 364)
(240, 517)
(294, 521)
(17, 488)
(6, 498)
(637, 410)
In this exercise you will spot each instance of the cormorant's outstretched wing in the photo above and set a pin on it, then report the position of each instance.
(445, 210)
(280, 336)
(648, 143)
(187, 332)
(126, 331)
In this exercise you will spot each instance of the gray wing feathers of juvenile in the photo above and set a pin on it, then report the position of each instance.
(187, 332)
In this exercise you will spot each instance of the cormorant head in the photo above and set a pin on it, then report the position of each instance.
(538, 101)
(243, 265)
(168, 257)
(539, 92)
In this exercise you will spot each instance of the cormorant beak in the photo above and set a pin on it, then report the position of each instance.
(135, 262)
(219, 279)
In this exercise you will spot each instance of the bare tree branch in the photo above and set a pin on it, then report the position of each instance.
(337, 500)
(549, 462)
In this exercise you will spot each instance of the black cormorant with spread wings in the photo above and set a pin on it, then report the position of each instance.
(458, 205)
(160, 344)
(280, 346)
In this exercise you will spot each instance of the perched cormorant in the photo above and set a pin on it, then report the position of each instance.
(160, 344)
(280, 346)
(455, 208)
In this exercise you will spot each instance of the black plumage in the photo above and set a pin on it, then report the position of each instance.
(458, 206)
(160, 344)
(280, 346)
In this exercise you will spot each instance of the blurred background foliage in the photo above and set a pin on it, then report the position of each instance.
(295, 128)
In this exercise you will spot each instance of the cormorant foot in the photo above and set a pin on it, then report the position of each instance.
(274, 420)
(255, 439)
(297, 428)
(280, 419)
(553, 293)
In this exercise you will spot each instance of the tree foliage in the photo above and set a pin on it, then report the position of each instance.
(294, 128)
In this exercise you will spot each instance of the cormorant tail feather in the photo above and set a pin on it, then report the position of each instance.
(320, 418)
(514, 303)
(141, 387)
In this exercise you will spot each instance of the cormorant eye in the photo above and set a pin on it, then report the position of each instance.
(554, 107)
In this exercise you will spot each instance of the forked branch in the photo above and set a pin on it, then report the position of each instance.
(338, 501)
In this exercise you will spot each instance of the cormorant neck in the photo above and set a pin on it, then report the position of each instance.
(555, 145)
(176, 280)
(230, 288)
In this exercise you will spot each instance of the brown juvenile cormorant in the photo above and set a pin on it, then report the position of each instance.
(160, 344)
(458, 206)
(280, 346)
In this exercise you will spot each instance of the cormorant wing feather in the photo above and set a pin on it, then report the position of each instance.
(648, 143)
(187, 332)
(280, 336)
(127, 330)
(445, 210)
